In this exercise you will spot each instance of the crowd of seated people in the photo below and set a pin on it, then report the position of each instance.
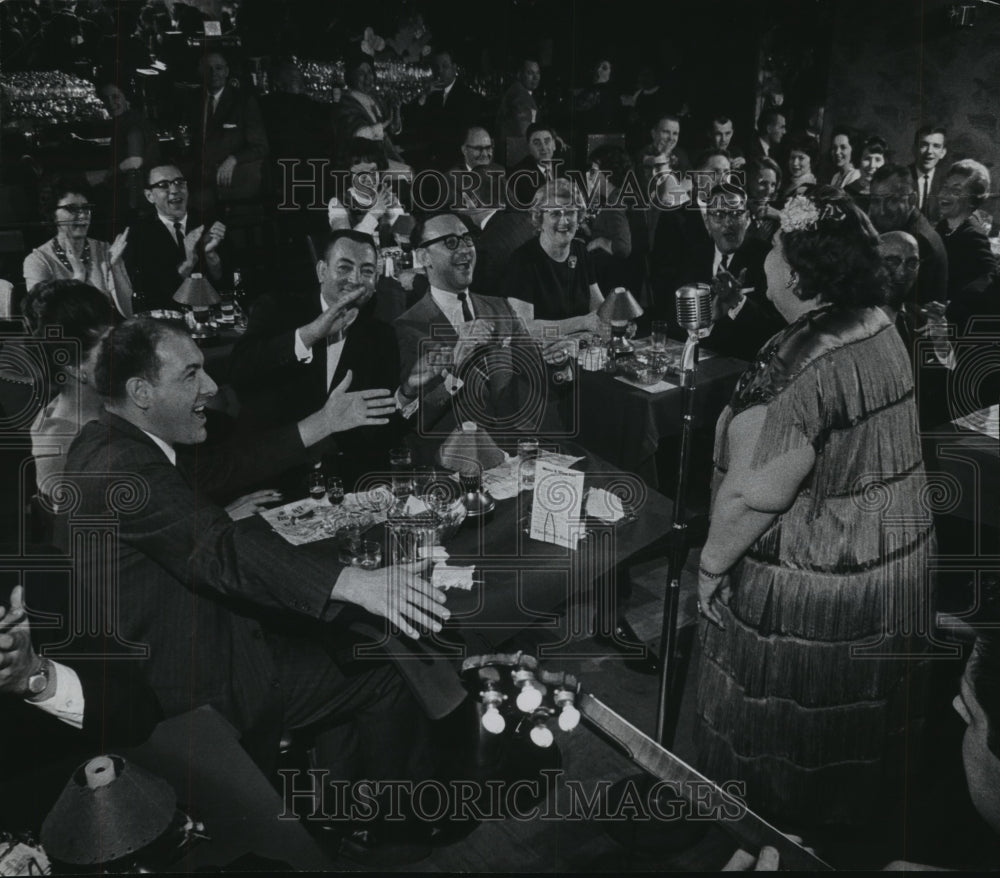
(517, 231)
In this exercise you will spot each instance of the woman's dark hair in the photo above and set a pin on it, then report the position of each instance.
(353, 62)
(835, 254)
(81, 313)
(801, 143)
(54, 189)
(876, 146)
(613, 159)
(853, 138)
(762, 163)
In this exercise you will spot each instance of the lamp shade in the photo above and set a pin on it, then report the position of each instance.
(619, 307)
(109, 809)
(197, 292)
(470, 450)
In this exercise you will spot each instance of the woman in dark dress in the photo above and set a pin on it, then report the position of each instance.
(550, 279)
(970, 260)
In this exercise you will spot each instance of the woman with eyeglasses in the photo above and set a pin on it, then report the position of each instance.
(71, 255)
(550, 280)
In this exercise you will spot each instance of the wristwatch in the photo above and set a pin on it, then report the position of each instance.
(39, 680)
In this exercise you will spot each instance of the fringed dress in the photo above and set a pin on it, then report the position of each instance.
(806, 696)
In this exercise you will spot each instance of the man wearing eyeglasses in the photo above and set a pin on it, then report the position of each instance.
(476, 182)
(732, 263)
(487, 357)
(168, 247)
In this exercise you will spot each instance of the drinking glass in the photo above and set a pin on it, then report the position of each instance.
(527, 452)
(335, 490)
(368, 555)
(401, 464)
(659, 336)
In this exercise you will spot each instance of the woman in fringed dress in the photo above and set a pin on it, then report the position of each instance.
(815, 568)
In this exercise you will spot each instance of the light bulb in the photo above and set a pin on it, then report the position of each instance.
(529, 698)
(541, 735)
(569, 718)
(493, 720)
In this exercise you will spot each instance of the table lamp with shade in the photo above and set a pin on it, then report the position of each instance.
(619, 309)
(470, 452)
(198, 295)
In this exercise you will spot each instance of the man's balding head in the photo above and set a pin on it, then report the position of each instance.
(901, 257)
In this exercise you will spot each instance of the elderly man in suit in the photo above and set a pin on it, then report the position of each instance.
(297, 349)
(492, 365)
(234, 616)
(166, 248)
(476, 182)
(229, 137)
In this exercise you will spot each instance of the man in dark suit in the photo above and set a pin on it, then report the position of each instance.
(233, 615)
(494, 366)
(164, 249)
(296, 350)
(476, 181)
(720, 136)
(228, 137)
(893, 208)
(708, 244)
(446, 108)
(769, 134)
(930, 145)
(536, 168)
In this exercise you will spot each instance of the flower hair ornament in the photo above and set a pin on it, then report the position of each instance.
(802, 214)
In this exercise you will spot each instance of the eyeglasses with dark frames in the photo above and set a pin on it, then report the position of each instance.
(164, 185)
(451, 241)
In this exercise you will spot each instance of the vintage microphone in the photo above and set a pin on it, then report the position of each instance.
(694, 313)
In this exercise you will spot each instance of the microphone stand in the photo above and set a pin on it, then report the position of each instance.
(655, 840)
(677, 555)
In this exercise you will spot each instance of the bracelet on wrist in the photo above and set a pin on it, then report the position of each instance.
(709, 575)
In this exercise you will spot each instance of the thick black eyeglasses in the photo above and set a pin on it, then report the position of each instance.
(164, 185)
(451, 241)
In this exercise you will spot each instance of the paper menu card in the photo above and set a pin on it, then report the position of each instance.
(556, 504)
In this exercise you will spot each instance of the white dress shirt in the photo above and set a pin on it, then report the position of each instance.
(66, 703)
(450, 305)
(920, 184)
(334, 350)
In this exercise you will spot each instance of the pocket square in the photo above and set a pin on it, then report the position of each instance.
(229, 125)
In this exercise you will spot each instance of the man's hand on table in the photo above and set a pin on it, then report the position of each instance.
(398, 593)
(251, 504)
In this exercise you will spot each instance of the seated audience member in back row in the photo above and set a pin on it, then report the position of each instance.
(538, 167)
(66, 203)
(166, 248)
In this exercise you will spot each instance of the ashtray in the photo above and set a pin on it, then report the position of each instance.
(645, 368)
